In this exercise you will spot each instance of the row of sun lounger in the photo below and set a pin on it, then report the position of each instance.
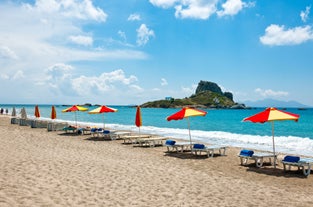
(143, 140)
(303, 164)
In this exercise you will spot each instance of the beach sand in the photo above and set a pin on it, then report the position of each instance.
(40, 168)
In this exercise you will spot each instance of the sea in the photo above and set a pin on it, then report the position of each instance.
(218, 127)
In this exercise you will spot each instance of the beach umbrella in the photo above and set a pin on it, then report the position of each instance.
(23, 113)
(74, 109)
(138, 119)
(37, 113)
(186, 112)
(13, 111)
(271, 115)
(53, 113)
(101, 110)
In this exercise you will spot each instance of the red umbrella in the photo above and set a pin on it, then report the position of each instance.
(138, 120)
(37, 113)
(53, 113)
(101, 110)
(186, 112)
(271, 115)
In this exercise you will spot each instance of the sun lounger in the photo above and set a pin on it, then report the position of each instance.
(120, 134)
(77, 130)
(258, 157)
(199, 148)
(172, 145)
(130, 139)
(151, 142)
(69, 129)
(303, 164)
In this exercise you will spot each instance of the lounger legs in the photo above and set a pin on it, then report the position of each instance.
(306, 171)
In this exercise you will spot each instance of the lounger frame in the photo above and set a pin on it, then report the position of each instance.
(303, 164)
(258, 158)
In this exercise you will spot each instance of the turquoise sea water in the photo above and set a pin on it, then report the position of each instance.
(221, 126)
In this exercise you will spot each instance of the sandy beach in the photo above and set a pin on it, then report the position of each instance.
(40, 168)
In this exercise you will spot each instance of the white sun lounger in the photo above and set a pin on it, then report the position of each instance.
(303, 164)
(130, 139)
(257, 157)
(151, 142)
(198, 148)
(177, 146)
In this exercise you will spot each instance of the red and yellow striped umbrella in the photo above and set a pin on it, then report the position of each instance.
(186, 112)
(101, 110)
(75, 108)
(270, 115)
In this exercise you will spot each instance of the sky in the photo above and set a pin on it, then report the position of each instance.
(118, 52)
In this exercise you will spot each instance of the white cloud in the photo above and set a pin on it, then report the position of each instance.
(202, 9)
(58, 76)
(196, 9)
(4, 77)
(7, 53)
(271, 93)
(106, 82)
(18, 75)
(134, 17)
(144, 34)
(233, 7)
(23, 49)
(163, 3)
(278, 35)
(122, 35)
(81, 9)
(81, 40)
(164, 82)
(305, 14)
(187, 91)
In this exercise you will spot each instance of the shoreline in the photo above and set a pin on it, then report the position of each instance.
(39, 168)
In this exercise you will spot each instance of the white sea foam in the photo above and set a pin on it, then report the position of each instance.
(286, 145)
(283, 144)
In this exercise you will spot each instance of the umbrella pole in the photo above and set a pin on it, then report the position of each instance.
(76, 120)
(189, 130)
(103, 121)
(273, 144)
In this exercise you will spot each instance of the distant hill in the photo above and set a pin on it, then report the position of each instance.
(275, 103)
(207, 95)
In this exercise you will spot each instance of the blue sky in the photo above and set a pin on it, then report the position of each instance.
(134, 51)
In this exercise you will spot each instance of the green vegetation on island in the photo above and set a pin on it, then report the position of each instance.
(207, 95)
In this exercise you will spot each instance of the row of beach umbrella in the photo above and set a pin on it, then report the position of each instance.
(268, 115)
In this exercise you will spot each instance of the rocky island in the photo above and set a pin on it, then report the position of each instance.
(207, 95)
